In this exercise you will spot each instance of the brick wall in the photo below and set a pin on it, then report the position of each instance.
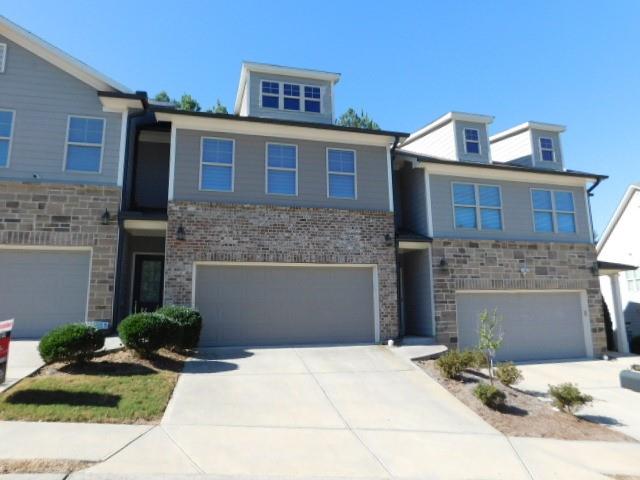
(261, 233)
(496, 265)
(66, 215)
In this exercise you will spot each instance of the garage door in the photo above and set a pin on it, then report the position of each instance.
(536, 325)
(43, 289)
(275, 305)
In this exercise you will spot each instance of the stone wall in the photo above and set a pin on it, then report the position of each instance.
(497, 265)
(44, 215)
(262, 233)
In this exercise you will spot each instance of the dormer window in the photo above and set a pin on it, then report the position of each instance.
(291, 96)
(546, 149)
(270, 94)
(312, 99)
(471, 140)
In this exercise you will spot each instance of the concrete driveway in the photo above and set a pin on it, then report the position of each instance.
(612, 406)
(24, 359)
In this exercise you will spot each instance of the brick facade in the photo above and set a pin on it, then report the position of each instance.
(57, 215)
(496, 265)
(262, 233)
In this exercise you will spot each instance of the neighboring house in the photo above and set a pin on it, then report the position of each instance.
(505, 227)
(619, 255)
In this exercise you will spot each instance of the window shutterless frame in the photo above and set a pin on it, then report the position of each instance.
(281, 169)
(10, 137)
(477, 206)
(354, 174)
(218, 164)
(3, 56)
(83, 144)
(542, 149)
(281, 96)
(554, 211)
(464, 136)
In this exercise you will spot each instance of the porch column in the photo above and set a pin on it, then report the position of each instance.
(617, 316)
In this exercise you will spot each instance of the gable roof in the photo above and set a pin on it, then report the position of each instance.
(633, 188)
(57, 57)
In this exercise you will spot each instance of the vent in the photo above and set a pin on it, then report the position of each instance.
(3, 56)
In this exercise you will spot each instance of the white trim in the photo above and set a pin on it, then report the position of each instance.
(172, 161)
(427, 195)
(133, 275)
(545, 127)
(446, 118)
(282, 169)
(409, 245)
(389, 179)
(217, 164)
(3, 49)
(541, 150)
(346, 174)
(554, 211)
(431, 288)
(10, 137)
(587, 209)
(67, 142)
(146, 225)
(622, 343)
(464, 135)
(477, 206)
(622, 206)
(123, 146)
(373, 266)
(301, 97)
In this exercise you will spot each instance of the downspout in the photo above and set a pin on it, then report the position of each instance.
(401, 326)
(589, 195)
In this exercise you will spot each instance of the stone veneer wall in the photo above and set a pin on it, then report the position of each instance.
(496, 265)
(48, 214)
(262, 233)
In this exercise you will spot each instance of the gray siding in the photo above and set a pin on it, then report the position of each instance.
(483, 157)
(517, 212)
(249, 182)
(43, 97)
(256, 110)
(412, 195)
(537, 159)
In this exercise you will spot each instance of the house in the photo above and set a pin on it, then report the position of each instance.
(506, 227)
(619, 256)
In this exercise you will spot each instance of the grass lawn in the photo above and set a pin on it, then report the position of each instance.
(114, 388)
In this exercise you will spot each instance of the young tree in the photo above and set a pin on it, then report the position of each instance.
(490, 338)
(219, 108)
(188, 103)
(351, 118)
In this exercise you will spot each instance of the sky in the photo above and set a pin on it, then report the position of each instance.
(576, 63)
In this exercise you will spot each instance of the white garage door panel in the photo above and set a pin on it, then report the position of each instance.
(274, 305)
(43, 289)
(536, 325)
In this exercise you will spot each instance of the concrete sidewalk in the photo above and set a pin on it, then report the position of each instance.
(24, 359)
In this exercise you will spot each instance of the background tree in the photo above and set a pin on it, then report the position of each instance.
(219, 108)
(163, 96)
(188, 103)
(351, 118)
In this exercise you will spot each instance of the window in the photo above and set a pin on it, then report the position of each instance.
(553, 211)
(291, 96)
(477, 206)
(216, 169)
(471, 140)
(270, 94)
(341, 173)
(3, 56)
(546, 149)
(633, 280)
(282, 169)
(6, 132)
(312, 99)
(85, 136)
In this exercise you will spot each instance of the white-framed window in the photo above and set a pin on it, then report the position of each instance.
(472, 140)
(85, 142)
(281, 169)
(477, 206)
(3, 56)
(217, 164)
(6, 134)
(270, 94)
(341, 173)
(553, 211)
(312, 99)
(291, 96)
(633, 280)
(547, 153)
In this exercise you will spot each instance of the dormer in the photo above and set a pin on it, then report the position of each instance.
(531, 144)
(456, 136)
(285, 93)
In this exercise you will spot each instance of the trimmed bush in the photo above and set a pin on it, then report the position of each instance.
(508, 374)
(635, 345)
(474, 359)
(189, 323)
(490, 395)
(454, 362)
(74, 343)
(568, 397)
(146, 332)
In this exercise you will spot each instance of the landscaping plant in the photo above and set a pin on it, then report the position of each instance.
(74, 343)
(146, 333)
(452, 364)
(189, 325)
(508, 374)
(490, 338)
(568, 397)
(490, 395)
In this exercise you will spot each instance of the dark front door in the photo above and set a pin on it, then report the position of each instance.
(148, 282)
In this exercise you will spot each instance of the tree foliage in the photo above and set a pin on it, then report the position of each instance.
(351, 118)
(490, 337)
(186, 102)
(219, 108)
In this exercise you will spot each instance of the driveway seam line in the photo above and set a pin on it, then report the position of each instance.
(191, 461)
(520, 459)
(138, 437)
(353, 432)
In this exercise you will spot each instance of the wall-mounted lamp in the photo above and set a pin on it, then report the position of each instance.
(106, 217)
(181, 234)
(524, 269)
(594, 268)
(388, 240)
(444, 264)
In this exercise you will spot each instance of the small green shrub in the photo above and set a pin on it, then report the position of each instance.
(146, 333)
(508, 374)
(474, 358)
(490, 395)
(568, 397)
(635, 367)
(189, 323)
(635, 345)
(73, 343)
(454, 362)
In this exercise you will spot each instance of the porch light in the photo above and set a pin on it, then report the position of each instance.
(106, 217)
(444, 264)
(388, 240)
(181, 235)
(594, 268)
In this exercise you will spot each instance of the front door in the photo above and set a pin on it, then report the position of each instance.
(148, 281)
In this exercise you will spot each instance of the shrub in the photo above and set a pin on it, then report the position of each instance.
(635, 345)
(146, 332)
(568, 398)
(474, 359)
(635, 367)
(490, 395)
(74, 342)
(454, 362)
(189, 323)
(508, 374)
